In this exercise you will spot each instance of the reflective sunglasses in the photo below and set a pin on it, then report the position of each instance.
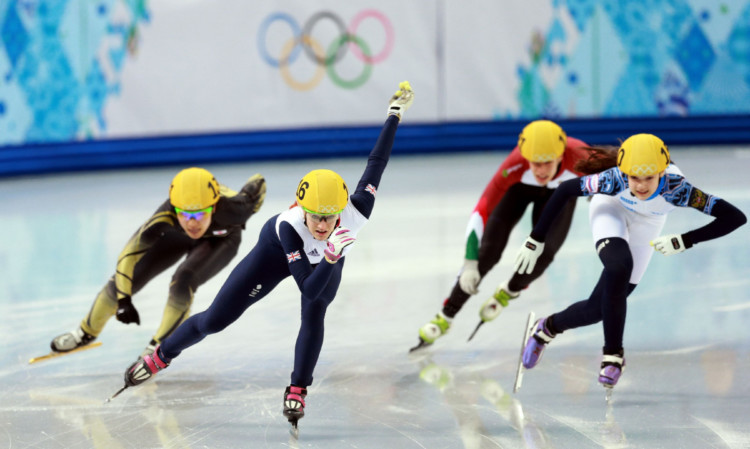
(319, 218)
(195, 214)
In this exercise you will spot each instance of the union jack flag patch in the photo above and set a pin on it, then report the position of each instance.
(371, 188)
(294, 255)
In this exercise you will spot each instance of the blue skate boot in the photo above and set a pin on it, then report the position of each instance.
(536, 343)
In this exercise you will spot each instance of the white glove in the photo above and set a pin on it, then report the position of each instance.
(469, 278)
(669, 244)
(337, 241)
(401, 100)
(527, 256)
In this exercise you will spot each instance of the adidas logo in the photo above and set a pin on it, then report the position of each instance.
(313, 253)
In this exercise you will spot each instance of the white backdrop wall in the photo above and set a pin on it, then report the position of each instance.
(199, 67)
(78, 70)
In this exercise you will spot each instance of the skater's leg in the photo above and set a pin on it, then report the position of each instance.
(312, 329)
(246, 285)
(308, 346)
(165, 253)
(618, 266)
(499, 225)
(511, 289)
(590, 311)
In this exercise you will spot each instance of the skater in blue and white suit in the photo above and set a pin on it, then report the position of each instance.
(633, 189)
(309, 242)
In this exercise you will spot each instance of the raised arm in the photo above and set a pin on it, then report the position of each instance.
(363, 197)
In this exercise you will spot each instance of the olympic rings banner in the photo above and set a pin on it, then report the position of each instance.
(73, 71)
(303, 41)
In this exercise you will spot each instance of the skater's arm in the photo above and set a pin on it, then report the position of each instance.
(237, 207)
(310, 280)
(363, 197)
(727, 219)
(567, 190)
(508, 174)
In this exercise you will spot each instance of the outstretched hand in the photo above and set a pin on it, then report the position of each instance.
(401, 100)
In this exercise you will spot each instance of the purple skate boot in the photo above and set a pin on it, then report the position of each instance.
(536, 343)
(612, 367)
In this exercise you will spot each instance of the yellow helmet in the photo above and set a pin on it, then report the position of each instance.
(322, 192)
(542, 141)
(642, 155)
(194, 189)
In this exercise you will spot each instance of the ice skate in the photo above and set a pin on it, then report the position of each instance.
(526, 336)
(294, 407)
(493, 306)
(144, 368)
(611, 369)
(433, 330)
(536, 343)
(68, 343)
(77, 338)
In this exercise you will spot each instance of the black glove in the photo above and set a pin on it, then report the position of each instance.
(255, 189)
(126, 311)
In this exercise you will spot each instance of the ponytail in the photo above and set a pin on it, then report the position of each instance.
(600, 158)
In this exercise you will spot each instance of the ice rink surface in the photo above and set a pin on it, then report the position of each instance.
(686, 338)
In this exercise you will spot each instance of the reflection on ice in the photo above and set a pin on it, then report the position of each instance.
(686, 339)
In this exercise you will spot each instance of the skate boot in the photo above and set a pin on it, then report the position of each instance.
(612, 367)
(536, 343)
(433, 330)
(294, 403)
(493, 306)
(145, 367)
(71, 340)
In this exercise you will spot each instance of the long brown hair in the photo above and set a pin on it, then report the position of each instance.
(600, 158)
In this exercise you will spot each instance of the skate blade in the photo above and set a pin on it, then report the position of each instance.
(109, 399)
(608, 395)
(475, 331)
(293, 430)
(420, 345)
(53, 354)
(520, 370)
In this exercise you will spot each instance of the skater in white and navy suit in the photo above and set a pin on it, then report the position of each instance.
(633, 189)
(309, 242)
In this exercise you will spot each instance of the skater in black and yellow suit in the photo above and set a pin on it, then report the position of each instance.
(202, 220)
